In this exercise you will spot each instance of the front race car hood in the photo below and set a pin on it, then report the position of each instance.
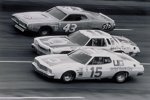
(33, 17)
(58, 59)
(57, 42)
(124, 41)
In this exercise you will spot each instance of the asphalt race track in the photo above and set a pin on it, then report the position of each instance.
(17, 78)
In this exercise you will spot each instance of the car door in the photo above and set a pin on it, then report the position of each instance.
(98, 67)
(73, 22)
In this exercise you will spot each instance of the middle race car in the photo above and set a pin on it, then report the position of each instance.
(88, 38)
(66, 19)
(88, 63)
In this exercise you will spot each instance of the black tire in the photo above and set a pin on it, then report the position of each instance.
(68, 77)
(121, 77)
(119, 51)
(45, 31)
(65, 52)
(132, 54)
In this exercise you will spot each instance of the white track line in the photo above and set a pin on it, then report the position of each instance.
(15, 61)
(148, 64)
(123, 29)
(16, 98)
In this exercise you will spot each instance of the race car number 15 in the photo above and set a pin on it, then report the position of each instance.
(70, 27)
(96, 72)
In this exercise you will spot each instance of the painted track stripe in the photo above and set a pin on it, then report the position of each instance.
(123, 29)
(148, 64)
(16, 98)
(15, 61)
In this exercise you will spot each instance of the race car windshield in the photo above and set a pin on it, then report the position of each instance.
(80, 56)
(78, 38)
(56, 13)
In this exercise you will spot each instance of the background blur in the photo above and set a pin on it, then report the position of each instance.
(130, 7)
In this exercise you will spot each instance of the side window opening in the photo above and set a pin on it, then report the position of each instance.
(112, 41)
(83, 17)
(108, 41)
(98, 42)
(74, 17)
(100, 60)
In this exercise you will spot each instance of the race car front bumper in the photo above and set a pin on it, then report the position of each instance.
(19, 24)
(42, 72)
(39, 50)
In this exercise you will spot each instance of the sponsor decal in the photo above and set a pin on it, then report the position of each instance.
(118, 62)
(121, 69)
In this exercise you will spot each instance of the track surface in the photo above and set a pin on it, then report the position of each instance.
(18, 79)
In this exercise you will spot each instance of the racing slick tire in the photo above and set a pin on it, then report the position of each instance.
(68, 76)
(132, 54)
(45, 31)
(120, 77)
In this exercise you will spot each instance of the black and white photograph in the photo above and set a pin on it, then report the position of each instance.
(74, 50)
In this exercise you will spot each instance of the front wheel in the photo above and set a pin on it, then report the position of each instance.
(120, 77)
(45, 31)
(68, 77)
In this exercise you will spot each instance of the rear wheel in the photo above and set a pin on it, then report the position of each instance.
(68, 76)
(45, 31)
(132, 54)
(121, 77)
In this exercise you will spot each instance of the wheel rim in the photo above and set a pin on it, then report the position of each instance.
(121, 78)
(68, 77)
(44, 32)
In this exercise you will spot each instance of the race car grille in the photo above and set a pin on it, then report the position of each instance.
(41, 66)
(42, 48)
(19, 22)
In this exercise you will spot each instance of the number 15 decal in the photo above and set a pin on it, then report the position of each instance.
(96, 72)
(70, 27)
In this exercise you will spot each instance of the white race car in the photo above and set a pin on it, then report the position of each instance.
(88, 38)
(88, 63)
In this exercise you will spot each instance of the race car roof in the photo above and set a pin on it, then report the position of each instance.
(71, 9)
(107, 53)
(95, 33)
